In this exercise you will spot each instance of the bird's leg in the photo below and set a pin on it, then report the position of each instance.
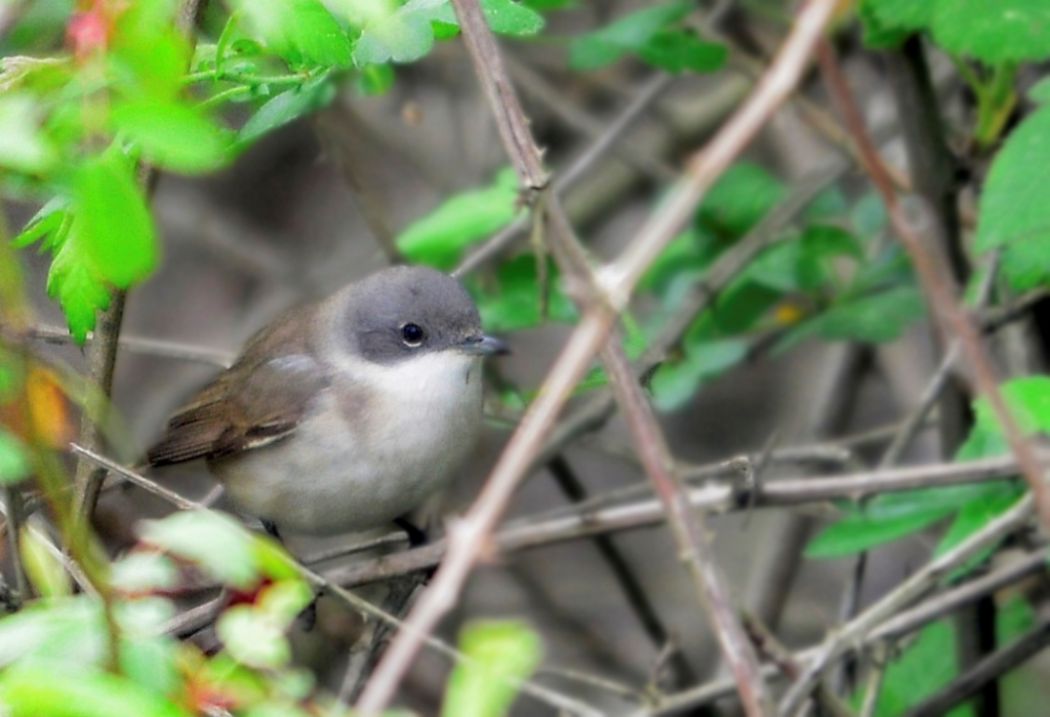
(416, 535)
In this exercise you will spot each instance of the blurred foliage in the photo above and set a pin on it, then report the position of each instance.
(93, 93)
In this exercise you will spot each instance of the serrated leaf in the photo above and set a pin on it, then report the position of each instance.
(302, 32)
(214, 542)
(284, 108)
(173, 135)
(500, 654)
(14, 463)
(628, 33)
(1014, 212)
(79, 289)
(114, 226)
(50, 690)
(440, 237)
(804, 263)
(46, 221)
(993, 31)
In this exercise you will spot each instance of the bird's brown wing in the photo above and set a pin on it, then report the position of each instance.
(259, 400)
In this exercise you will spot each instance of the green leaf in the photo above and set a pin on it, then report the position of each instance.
(888, 22)
(253, 638)
(923, 668)
(302, 32)
(148, 55)
(70, 629)
(14, 464)
(680, 50)
(397, 34)
(975, 515)
(44, 570)
(1028, 399)
(284, 108)
(23, 147)
(114, 226)
(739, 200)
(513, 303)
(674, 383)
(499, 655)
(440, 237)
(54, 690)
(805, 263)
(74, 282)
(874, 318)
(173, 135)
(215, 542)
(143, 571)
(993, 31)
(504, 17)
(1014, 212)
(1040, 91)
(627, 34)
(859, 532)
(47, 221)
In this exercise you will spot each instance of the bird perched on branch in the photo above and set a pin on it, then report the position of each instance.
(346, 414)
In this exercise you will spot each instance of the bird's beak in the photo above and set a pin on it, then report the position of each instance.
(484, 346)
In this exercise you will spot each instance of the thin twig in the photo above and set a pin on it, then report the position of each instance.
(939, 286)
(567, 179)
(907, 592)
(989, 668)
(468, 536)
(903, 624)
(534, 532)
(324, 585)
(142, 345)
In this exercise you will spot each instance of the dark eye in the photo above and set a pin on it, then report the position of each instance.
(412, 335)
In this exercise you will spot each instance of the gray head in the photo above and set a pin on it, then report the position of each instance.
(407, 311)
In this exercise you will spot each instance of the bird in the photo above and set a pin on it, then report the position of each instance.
(345, 414)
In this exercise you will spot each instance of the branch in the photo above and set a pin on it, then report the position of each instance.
(904, 623)
(321, 585)
(984, 671)
(547, 529)
(468, 535)
(912, 588)
(939, 286)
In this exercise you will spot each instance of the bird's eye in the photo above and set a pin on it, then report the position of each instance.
(412, 335)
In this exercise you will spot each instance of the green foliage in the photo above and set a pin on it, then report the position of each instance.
(441, 237)
(889, 517)
(302, 32)
(678, 381)
(653, 34)
(1014, 213)
(512, 300)
(14, 464)
(923, 668)
(993, 31)
(500, 654)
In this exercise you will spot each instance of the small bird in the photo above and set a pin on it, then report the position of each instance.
(346, 414)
